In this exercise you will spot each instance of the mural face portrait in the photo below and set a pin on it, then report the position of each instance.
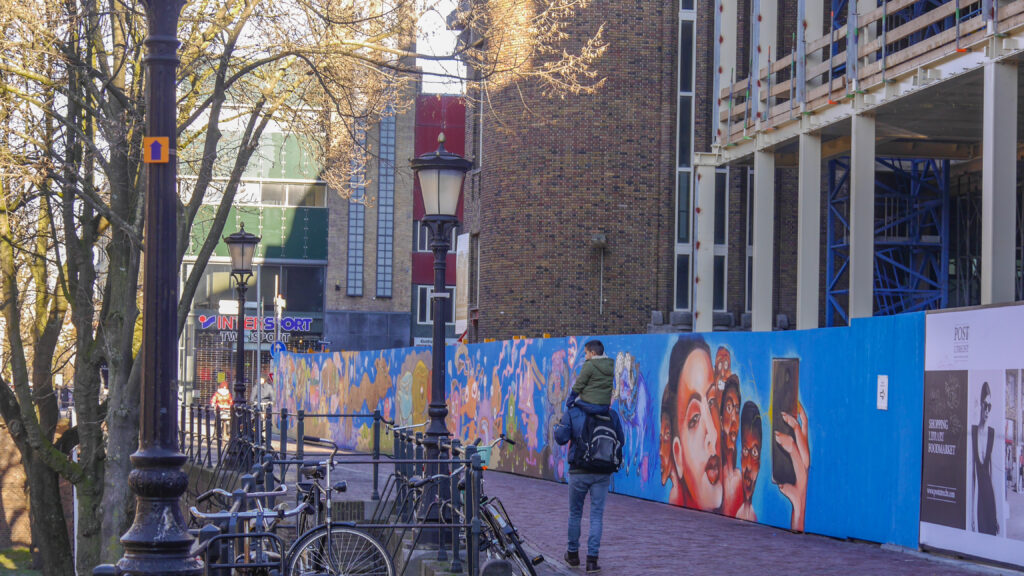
(695, 447)
(750, 460)
(723, 364)
(730, 420)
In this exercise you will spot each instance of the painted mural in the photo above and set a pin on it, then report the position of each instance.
(777, 428)
(395, 381)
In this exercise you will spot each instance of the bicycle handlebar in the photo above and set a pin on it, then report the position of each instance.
(251, 514)
(408, 426)
(209, 494)
(417, 482)
(279, 491)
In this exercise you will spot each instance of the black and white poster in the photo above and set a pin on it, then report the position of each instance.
(972, 483)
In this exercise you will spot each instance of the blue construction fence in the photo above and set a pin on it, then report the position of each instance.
(814, 430)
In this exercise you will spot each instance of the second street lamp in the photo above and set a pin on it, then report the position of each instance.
(440, 175)
(241, 248)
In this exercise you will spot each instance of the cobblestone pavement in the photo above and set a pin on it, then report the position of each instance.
(650, 538)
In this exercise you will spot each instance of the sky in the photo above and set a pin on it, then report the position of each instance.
(434, 39)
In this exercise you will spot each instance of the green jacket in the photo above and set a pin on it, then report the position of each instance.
(596, 380)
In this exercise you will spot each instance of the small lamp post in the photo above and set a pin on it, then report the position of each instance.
(440, 174)
(241, 248)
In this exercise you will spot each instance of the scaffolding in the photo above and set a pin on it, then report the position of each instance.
(911, 237)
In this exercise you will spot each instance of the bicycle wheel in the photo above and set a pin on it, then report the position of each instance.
(511, 547)
(350, 552)
(519, 556)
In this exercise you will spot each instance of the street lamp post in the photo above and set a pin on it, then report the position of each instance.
(158, 541)
(440, 175)
(241, 248)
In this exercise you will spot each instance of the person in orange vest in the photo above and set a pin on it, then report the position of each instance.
(222, 398)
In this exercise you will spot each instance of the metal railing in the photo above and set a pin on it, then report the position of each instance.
(401, 517)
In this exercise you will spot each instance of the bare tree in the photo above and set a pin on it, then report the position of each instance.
(72, 114)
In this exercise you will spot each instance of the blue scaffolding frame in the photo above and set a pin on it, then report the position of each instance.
(911, 260)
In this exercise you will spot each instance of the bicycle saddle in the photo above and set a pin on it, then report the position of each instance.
(341, 486)
(313, 471)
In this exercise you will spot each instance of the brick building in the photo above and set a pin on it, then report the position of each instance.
(691, 194)
(435, 113)
(340, 260)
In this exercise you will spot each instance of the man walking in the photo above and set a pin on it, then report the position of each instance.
(582, 479)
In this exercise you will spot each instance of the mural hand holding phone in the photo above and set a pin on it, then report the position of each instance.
(796, 446)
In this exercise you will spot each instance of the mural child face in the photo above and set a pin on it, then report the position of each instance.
(723, 364)
(751, 462)
(730, 425)
(695, 447)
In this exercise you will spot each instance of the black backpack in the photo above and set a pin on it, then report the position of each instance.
(600, 448)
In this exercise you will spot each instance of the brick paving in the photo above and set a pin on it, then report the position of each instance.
(650, 538)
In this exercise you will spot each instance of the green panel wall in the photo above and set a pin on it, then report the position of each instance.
(294, 233)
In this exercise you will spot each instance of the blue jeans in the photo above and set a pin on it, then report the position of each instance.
(579, 485)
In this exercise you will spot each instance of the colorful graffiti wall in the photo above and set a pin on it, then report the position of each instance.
(779, 428)
(395, 381)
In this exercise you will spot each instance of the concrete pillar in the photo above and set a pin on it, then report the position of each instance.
(765, 47)
(725, 54)
(764, 241)
(862, 216)
(704, 250)
(998, 183)
(808, 232)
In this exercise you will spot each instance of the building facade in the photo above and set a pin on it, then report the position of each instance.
(332, 269)
(691, 194)
(435, 114)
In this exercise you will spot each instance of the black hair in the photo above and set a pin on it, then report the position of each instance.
(682, 349)
(595, 346)
(750, 420)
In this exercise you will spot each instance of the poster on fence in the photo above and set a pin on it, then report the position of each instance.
(972, 483)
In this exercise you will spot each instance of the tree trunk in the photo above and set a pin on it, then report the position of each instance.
(122, 441)
(90, 521)
(49, 525)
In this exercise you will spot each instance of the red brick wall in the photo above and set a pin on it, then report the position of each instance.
(549, 180)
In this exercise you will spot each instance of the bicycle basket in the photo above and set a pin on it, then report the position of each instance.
(485, 455)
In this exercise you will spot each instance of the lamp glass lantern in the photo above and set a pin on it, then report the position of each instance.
(440, 174)
(241, 248)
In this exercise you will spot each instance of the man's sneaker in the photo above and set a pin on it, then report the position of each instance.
(592, 567)
(572, 558)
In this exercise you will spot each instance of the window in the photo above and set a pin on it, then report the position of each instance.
(474, 270)
(686, 55)
(215, 285)
(682, 281)
(683, 216)
(685, 153)
(307, 194)
(750, 238)
(684, 156)
(386, 206)
(421, 237)
(356, 223)
(424, 309)
(301, 286)
(721, 275)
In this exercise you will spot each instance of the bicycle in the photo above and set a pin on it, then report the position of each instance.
(261, 551)
(499, 538)
(331, 547)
